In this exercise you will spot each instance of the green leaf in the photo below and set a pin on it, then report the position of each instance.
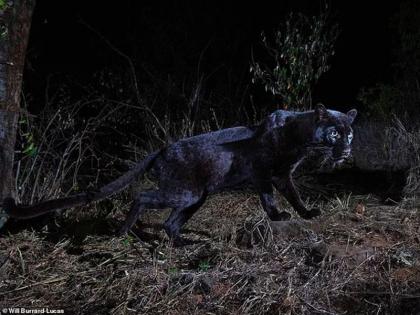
(204, 265)
(31, 150)
(127, 240)
(173, 270)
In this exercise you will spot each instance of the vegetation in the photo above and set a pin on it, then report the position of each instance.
(298, 57)
(401, 95)
(2, 4)
(360, 257)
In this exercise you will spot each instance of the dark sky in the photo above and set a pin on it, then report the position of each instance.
(168, 37)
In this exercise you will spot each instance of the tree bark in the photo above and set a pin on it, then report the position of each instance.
(15, 22)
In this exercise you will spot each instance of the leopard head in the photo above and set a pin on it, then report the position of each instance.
(333, 133)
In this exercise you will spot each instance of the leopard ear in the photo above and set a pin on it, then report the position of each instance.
(351, 114)
(321, 113)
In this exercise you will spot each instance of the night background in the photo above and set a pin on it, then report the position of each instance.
(105, 83)
(169, 39)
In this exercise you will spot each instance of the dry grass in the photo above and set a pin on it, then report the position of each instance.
(389, 146)
(358, 258)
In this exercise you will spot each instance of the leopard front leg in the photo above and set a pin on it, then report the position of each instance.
(270, 208)
(287, 187)
(265, 190)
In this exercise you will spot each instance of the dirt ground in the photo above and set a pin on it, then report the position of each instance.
(359, 257)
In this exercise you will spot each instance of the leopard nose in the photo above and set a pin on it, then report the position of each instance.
(343, 154)
(346, 152)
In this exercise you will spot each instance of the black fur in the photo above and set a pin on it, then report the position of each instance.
(190, 169)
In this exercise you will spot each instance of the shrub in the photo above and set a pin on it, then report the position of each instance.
(299, 56)
(381, 101)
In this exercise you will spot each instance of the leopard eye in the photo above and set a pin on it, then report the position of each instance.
(334, 134)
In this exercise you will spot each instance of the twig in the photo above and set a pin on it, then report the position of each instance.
(34, 284)
(113, 258)
(119, 52)
(406, 296)
(22, 262)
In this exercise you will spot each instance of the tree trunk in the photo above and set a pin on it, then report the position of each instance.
(15, 22)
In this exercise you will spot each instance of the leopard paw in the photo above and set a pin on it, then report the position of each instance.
(314, 212)
(181, 241)
(122, 231)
